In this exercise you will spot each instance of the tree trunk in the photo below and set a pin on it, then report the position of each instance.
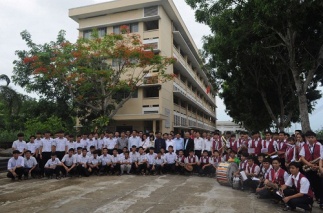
(303, 112)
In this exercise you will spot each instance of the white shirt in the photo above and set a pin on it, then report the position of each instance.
(124, 160)
(90, 143)
(60, 144)
(305, 184)
(100, 143)
(47, 144)
(207, 145)
(83, 159)
(302, 152)
(256, 143)
(105, 159)
(145, 144)
(115, 159)
(159, 161)
(142, 158)
(31, 162)
(69, 161)
(94, 160)
(19, 145)
(192, 159)
(170, 157)
(71, 145)
(79, 144)
(32, 147)
(133, 141)
(266, 144)
(84, 142)
(198, 143)
(255, 171)
(15, 162)
(170, 143)
(151, 158)
(134, 156)
(52, 163)
(109, 143)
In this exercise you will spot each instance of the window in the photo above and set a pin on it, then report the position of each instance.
(151, 25)
(151, 92)
(101, 33)
(133, 28)
(150, 11)
(87, 34)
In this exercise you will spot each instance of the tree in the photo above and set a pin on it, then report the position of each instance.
(90, 73)
(273, 28)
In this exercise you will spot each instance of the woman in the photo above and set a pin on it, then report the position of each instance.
(145, 143)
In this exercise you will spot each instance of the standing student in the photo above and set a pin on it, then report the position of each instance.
(170, 159)
(125, 163)
(32, 146)
(71, 143)
(292, 152)
(134, 140)
(255, 143)
(198, 144)
(188, 144)
(110, 143)
(20, 144)
(217, 143)
(207, 145)
(79, 142)
(15, 166)
(170, 142)
(61, 145)
(68, 165)
(281, 148)
(269, 144)
(31, 167)
(100, 141)
(52, 167)
(45, 150)
(302, 196)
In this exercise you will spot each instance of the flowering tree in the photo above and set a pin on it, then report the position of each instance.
(91, 71)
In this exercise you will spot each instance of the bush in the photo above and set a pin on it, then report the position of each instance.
(52, 124)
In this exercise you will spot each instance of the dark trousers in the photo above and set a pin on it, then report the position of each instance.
(207, 170)
(34, 172)
(83, 171)
(72, 172)
(198, 153)
(19, 171)
(50, 172)
(45, 157)
(150, 169)
(158, 169)
(265, 193)
(315, 183)
(104, 169)
(116, 168)
(141, 168)
(304, 202)
(169, 167)
(60, 155)
(250, 184)
(180, 169)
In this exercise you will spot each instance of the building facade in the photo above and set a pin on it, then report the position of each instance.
(187, 102)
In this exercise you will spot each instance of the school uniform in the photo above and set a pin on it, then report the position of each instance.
(84, 142)
(53, 167)
(216, 161)
(301, 185)
(79, 144)
(133, 141)
(81, 169)
(100, 143)
(270, 145)
(150, 161)
(19, 145)
(125, 165)
(71, 145)
(159, 164)
(257, 145)
(12, 163)
(106, 163)
(33, 148)
(253, 169)
(179, 166)
(68, 162)
(110, 144)
(268, 174)
(217, 145)
(207, 162)
(207, 145)
(92, 142)
(46, 150)
(115, 166)
(282, 146)
(30, 163)
(170, 159)
(95, 162)
(170, 143)
(60, 144)
(198, 146)
(192, 160)
(291, 154)
(142, 163)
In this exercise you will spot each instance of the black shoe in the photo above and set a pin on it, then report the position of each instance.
(287, 208)
(321, 206)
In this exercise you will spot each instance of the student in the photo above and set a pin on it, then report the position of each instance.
(268, 175)
(70, 143)
(79, 142)
(192, 161)
(31, 167)
(106, 162)
(100, 141)
(141, 164)
(206, 168)
(216, 158)
(302, 195)
(292, 151)
(82, 167)
(90, 153)
(53, 167)
(269, 145)
(32, 146)
(207, 145)
(134, 140)
(281, 148)
(122, 142)
(159, 164)
(94, 163)
(125, 163)
(255, 143)
(110, 143)
(134, 155)
(60, 145)
(15, 166)
(252, 170)
(124, 150)
(84, 140)
(68, 165)
(45, 150)
(20, 144)
(170, 159)
(150, 160)
(115, 166)
(92, 141)
(180, 163)
(198, 144)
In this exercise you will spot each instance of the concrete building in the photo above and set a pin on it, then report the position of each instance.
(183, 103)
(224, 126)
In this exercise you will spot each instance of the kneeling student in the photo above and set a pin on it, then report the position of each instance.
(126, 163)
(31, 165)
(170, 158)
(115, 166)
(106, 162)
(252, 171)
(205, 165)
(159, 163)
(141, 164)
(180, 162)
(82, 161)
(150, 160)
(94, 163)
(68, 166)
(53, 167)
(15, 166)
(191, 162)
(302, 196)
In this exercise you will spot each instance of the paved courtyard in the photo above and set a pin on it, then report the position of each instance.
(133, 194)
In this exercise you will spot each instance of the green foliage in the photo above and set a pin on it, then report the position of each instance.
(52, 124)
(319, 134)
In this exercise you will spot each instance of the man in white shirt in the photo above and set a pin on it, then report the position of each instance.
(198, 144)
(20, 144)
(32, 146)
(110, 143)
(71, 143)
(61, 145)
(100, 141)
(83, 161)
(53, 167)
(159, 163)
(134, 155)
(94, 163)
(69, 163)
(252, 171)
(170, 142)
(15, 166)
(134, 140)
(45, 150)
(207, 145)
(115, 166)
(31, 167)
(170, 158)
(126, 163)
(91, 142)
(106, 162)
(84, 140)
(141, 164)
(150, 160)
(79, 142)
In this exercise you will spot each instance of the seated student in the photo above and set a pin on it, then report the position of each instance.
(232, 156)
(159, 163)
(126, 163)
(150, 160)
(216, 158)
(90, 153)
(115, 166)
(302, 195)
(141, 164)
(134, 155)
(226, 155)
(78, 152)
(260, 159)
(53, 167)
(191, 162)
(170, 158)
(15, 166)
(68, 166)
(243, 163)
(94, 163)
(124, 150)
(31, 167)
(180, 162)
(82, 161)
(205, 164)
(252, 171)
(263, 190)
(106, 162)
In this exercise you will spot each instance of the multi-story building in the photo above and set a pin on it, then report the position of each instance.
(187, 102)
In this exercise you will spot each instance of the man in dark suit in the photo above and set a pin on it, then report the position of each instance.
(159, 142)
(188, 144)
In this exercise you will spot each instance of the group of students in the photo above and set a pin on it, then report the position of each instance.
(138, 153)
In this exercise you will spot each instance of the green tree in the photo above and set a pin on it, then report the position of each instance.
(274, 29)
(90, 73)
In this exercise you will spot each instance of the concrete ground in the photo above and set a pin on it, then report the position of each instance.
(133, 194)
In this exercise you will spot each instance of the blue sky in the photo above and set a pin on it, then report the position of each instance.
(44, 18)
